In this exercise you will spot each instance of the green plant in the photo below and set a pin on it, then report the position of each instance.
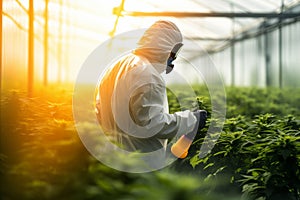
(274, 173)
(257, 152)
(263, 156)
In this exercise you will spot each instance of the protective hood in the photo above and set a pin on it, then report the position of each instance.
(157, 42)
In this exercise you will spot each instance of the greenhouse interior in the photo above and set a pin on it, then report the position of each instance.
(238, 63)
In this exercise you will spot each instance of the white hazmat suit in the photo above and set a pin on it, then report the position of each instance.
(132, 104)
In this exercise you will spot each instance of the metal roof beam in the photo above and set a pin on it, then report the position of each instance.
(208, 38)
(209, 14)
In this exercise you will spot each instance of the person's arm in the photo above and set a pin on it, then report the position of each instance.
(146, 105)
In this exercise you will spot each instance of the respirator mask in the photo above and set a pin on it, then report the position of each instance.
(172, 57)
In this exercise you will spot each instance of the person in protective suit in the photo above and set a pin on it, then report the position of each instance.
(132, 105)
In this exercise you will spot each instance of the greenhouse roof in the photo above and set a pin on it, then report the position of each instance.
(83, 25)
(212, 24)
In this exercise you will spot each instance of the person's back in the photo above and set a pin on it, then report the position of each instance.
(106, 89)
(131, 71)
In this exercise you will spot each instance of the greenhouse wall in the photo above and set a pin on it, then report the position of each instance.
(291, 53)
(257, 61)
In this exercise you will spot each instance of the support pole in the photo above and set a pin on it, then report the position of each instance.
(232, 52)
(46, 44)
(59, 48)
(117, 11)
(67, 43)
(1, 50)
(1, 144)
(267, 59)
(280, 55)
(30, 48)
(280, 44)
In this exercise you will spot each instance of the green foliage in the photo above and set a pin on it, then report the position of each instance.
(258, 151)
(42, 158)
(257, 154)
(254, 101)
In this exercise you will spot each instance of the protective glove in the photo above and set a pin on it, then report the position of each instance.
(201, 116)
(181, 147)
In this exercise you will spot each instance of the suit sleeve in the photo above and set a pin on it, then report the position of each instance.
(146, 105)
